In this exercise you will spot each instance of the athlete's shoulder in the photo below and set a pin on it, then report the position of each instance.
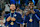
(36, 10)
(8, 14)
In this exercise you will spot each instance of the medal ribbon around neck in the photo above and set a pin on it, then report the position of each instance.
(30, 18)
(12, 23)
(13, 14)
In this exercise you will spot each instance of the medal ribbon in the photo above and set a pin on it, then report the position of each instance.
(30, 16)
(12, 16)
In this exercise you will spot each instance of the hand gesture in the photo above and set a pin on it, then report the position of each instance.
(9, 18)
(32, 11)
(13, 19)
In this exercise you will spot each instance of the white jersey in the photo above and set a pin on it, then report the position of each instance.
(7, 7)
(2, 21)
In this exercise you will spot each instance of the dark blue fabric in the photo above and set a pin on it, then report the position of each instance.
(0, 9)
(29, 24)
(18, 21)
(35, 22)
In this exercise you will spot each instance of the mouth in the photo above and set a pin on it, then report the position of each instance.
(13, 9)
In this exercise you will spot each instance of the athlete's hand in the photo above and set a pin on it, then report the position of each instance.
(13, 19)
(32, 11)
(9, 18)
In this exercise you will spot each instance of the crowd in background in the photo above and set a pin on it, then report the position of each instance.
(5, 9)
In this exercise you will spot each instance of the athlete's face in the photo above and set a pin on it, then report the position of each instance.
(12, 7)
(31, 5)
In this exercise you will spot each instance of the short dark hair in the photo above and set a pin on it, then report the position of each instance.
(30, 2)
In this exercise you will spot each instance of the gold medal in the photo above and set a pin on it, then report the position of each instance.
(12, 23)
(30, 20)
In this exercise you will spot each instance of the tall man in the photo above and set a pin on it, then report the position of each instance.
(32, 16)
(13, 19)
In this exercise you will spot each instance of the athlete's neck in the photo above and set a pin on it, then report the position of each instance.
(12, 11)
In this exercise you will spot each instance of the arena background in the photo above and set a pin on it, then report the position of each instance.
(20, 4)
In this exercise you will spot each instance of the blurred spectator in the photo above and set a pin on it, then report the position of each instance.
(0, 12)
(39, 16)
(21, 25)
(19, 10)
(8, 1)
(26, 9)
(0, 9)
(39, 23)
(26, 2)
(39, 10)
(38, 4)
(2, 21)
(22, 7)
(7, 9)
(2, 3)
(35, 7)
(3, 14)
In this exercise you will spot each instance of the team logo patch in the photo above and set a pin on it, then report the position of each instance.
(15, 15)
